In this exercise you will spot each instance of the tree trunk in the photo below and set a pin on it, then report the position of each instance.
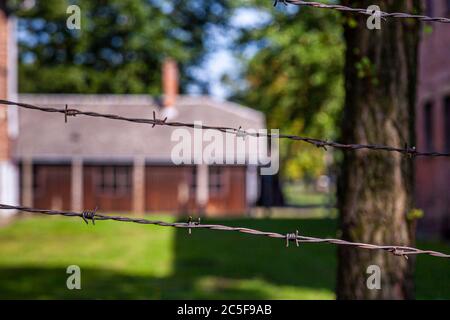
(375, 187)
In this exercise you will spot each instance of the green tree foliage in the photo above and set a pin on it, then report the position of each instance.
(119, 48)
(295, 77)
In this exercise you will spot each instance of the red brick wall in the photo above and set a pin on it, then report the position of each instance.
(433, 174)
(4, 149)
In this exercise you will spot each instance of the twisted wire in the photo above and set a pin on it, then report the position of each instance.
(394, 15)
(410, 151)
(403, 251)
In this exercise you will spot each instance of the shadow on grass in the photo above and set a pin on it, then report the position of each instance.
(41, 283)
(206, 265)
(240, 256)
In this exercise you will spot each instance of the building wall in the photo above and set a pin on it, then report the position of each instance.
(109, 187)
(166, 185)
(433, 174)
(4, 34)
(9, 188)
(52, 186)
(231, 198)
(163, 188)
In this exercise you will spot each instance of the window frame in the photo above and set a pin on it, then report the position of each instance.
(446, 123)
(428, 119)
(193, 181)
(113, 180)
(429, 8)
(216, 181)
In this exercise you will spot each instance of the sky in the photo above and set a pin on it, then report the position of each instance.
(222, 61)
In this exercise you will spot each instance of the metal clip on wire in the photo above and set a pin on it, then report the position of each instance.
(292, 237)
(399, 253)
(158, 121)
(192, 223)
(89, 215)
(241, 133)
(411, 151)
(68, 113)
(322, 144)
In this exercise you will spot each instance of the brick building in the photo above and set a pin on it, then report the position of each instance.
(64, 170)
(433, 123)
(115, 165)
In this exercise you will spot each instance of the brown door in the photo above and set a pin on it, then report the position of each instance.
(227, 191)
(52, 186)
(108, 187)
(163, 185)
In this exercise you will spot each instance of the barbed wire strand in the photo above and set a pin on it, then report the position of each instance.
(397, 15)
(411, 151)
(93, 216)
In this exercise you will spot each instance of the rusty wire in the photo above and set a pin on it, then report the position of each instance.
(402, 251)
(411, 151)
(383, 15)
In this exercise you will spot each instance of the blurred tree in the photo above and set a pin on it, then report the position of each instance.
(375, 188)
(119, 47)
(295, 77)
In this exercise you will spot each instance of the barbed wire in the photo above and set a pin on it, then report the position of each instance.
(93, 216)
(398, 15)
(411, 151)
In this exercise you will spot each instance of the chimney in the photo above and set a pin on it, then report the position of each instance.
(170, 82)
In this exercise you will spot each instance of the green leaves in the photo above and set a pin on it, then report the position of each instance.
(120, 46)
(295, 77)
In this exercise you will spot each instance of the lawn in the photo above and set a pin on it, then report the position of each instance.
(129, 261)
(299, 195)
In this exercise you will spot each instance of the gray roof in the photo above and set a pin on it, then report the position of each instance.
(45, 136)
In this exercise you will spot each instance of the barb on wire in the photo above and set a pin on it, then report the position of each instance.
(282, 1)
(89, 215)
(293, 237)
(397, 15)
(193, 223)
(411, 151)
(395, 250)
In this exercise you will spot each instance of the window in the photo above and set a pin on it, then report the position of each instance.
(447, 124)
(429, 8)
(114, 179)
(215, 180)
(428, 126)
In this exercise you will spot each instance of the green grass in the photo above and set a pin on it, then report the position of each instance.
(128, 261)
(299, 195)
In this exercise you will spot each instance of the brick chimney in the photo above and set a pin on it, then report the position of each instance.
(170, 82)
(4, 36)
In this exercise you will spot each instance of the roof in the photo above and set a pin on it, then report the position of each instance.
(45, 136)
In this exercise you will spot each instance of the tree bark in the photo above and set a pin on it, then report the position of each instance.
(375, 188)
